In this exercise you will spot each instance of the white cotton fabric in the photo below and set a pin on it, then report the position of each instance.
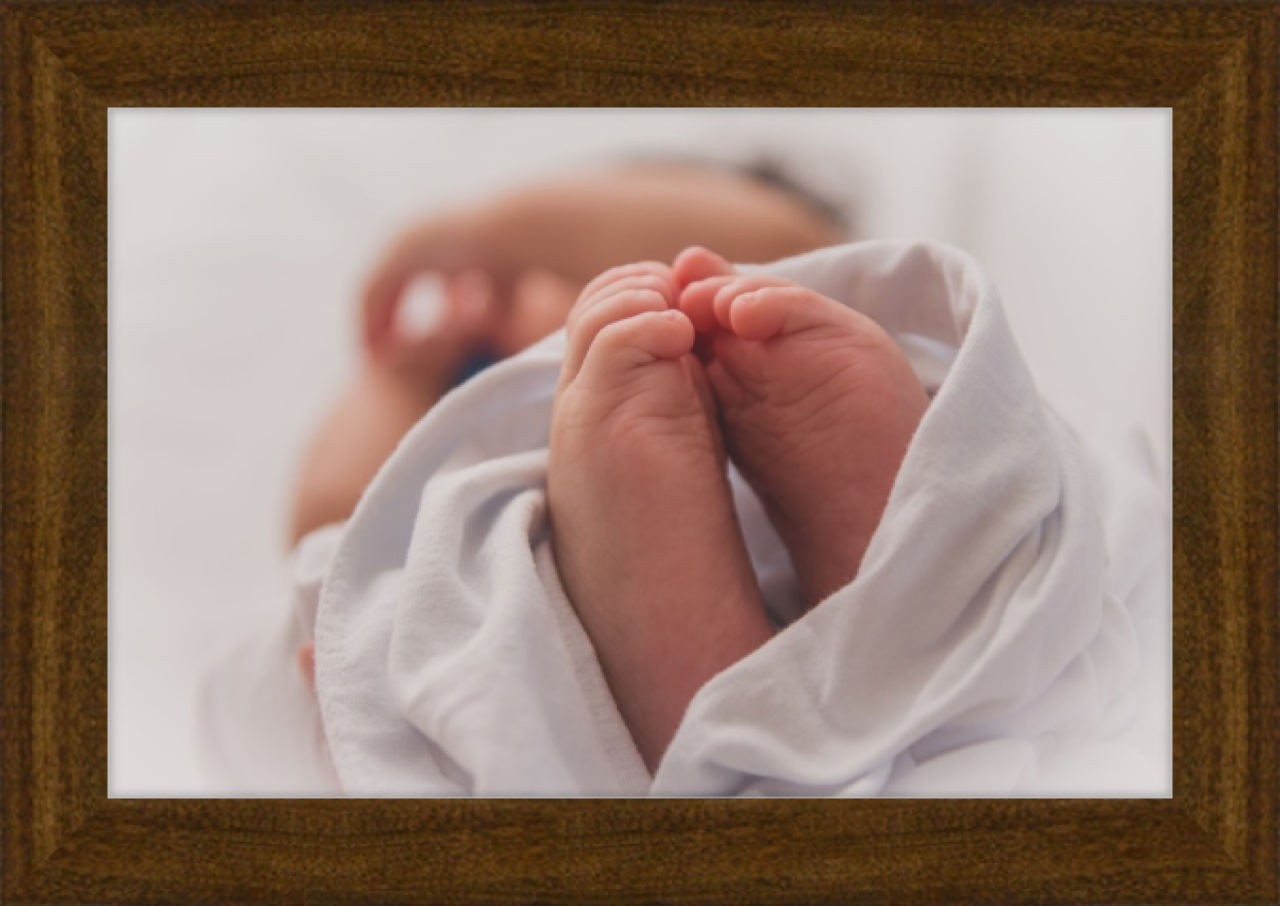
(259, 723)
(1007, 633)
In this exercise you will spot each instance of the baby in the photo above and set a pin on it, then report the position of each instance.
(668, 370)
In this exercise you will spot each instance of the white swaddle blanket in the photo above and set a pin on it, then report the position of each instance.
(1006, 634)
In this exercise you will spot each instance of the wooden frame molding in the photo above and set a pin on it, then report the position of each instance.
(65, 63)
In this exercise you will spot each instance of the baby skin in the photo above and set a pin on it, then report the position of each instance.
(646, 537)
(817, 406)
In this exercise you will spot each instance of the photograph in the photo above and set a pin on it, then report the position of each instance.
(549, 453)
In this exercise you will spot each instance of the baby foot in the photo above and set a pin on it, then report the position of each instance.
(646, 538)
(818, 406)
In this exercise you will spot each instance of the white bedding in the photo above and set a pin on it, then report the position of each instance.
(1004, 633)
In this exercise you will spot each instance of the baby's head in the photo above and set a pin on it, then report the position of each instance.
(651, 208)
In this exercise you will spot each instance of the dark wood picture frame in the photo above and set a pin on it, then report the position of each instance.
(66, 63)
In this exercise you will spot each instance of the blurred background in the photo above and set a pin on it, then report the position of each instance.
(240, 239)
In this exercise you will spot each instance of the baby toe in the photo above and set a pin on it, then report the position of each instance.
(622, 346)
(632, 296)
(766, 311)
(616, 274)
(697, 301)
(727, 296)
(697, 263)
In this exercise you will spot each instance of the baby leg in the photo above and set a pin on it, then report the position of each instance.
(357, 436)
(818, 406)
(645, 533)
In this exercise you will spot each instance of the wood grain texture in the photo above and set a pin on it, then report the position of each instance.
(65, 63)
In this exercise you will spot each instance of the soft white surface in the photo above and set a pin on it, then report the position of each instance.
(239, 241)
